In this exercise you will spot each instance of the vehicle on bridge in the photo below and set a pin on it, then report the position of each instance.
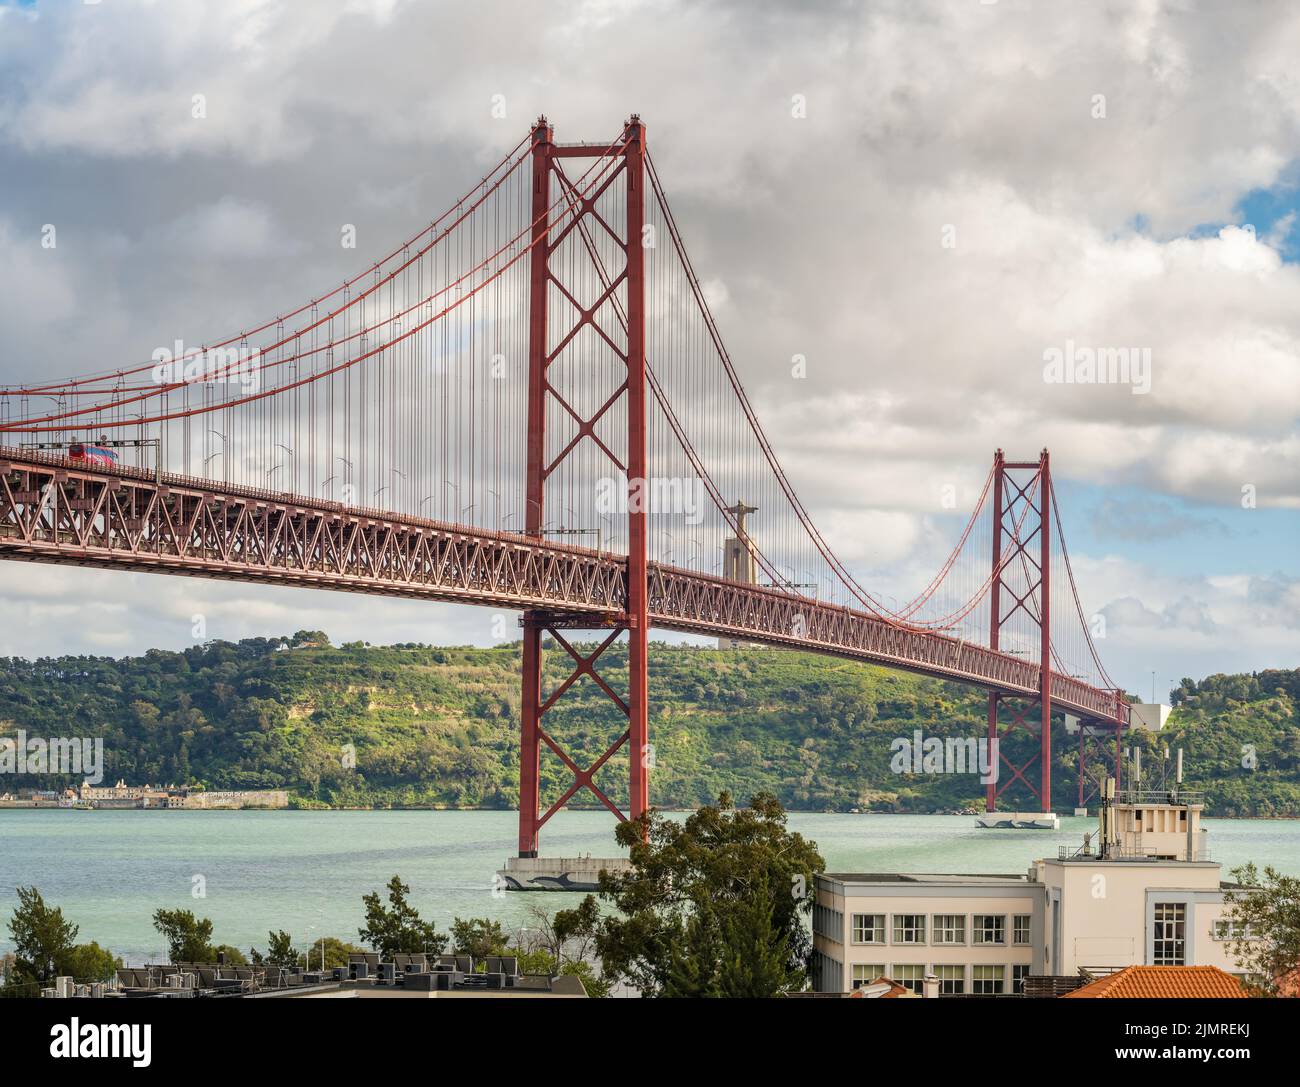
(91, 454)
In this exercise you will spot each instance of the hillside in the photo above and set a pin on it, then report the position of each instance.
(437, 726)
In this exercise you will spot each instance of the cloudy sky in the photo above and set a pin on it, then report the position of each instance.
(925, 200)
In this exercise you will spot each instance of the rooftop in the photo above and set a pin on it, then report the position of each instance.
(926, 877)
(1190, 982)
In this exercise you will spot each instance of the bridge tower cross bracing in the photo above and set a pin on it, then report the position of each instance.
(1021, 589)
(549, 178)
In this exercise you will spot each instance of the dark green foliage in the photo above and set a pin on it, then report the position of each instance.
(279, 949)
(189, 938)
(89, 962)
(327, 953)
(233, 956)
(714, 906)
(42, 938)
(397, 927)
(438, 726)
(1240, 737)
(479, 937)
(1266, 911)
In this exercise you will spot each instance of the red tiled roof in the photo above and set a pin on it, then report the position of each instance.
(1167, 982)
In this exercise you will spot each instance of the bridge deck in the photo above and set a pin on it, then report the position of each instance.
(59, 511)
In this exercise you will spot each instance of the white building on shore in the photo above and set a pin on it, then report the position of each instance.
(1144, 893)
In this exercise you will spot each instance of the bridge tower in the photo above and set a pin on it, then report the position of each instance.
(548, 343)
(1020, 598)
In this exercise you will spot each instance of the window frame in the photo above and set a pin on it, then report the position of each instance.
(917, 984)
(919, 926)
(882, 928)
(1169, 934)
(1000, 980)
(977, 930)
(944, 982)
(938, 931)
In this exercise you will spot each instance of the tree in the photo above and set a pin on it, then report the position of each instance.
(563, 944)
(89, 962)
(479, 937)
(42, 938)
(398, 929)
(279, 950)
(1265, 915)
(714, 905)
(735, 951)
(233, 956)
(327, 953)
(189, 939)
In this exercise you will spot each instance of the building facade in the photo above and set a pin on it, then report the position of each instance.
(1150, 897)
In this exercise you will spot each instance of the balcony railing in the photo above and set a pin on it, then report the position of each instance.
(1160, 796)
(1119, 851)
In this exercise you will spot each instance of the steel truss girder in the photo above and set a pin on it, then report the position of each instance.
(53, 511)
(118, 518)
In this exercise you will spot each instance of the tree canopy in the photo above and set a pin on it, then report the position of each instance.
(714, 905)
(397, 927)
(1264, 915)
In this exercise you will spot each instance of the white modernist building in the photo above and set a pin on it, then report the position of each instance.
(1144, 893)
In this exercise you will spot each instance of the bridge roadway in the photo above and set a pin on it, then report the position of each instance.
(56, 510)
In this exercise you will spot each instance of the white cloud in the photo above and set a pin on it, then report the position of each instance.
(820, 236)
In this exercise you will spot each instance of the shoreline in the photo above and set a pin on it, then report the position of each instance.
(1068, 814)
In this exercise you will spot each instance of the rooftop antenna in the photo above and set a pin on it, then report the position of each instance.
(1106, 830)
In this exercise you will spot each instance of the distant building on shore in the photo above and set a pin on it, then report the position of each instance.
(239, 798)
(121, 796)
(124, 797)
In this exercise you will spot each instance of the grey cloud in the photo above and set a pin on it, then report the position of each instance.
(1275, 600)
(1183, 614)
(824, 232)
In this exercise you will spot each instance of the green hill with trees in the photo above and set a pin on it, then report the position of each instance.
(414, 725)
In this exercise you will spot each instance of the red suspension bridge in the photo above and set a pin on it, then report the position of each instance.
(529, 405)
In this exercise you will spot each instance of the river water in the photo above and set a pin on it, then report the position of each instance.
(306, 871)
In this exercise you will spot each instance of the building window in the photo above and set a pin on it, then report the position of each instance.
(949, 928)
(910, 977)
(987, 980)
(866, 973)
(909, 928)
(1018, 975)
(869, 928)
(828, 974)
(1170, 930)
(1232, 930)
(828, 922)
(989, 928)
(952, 980)
(1020, 928)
